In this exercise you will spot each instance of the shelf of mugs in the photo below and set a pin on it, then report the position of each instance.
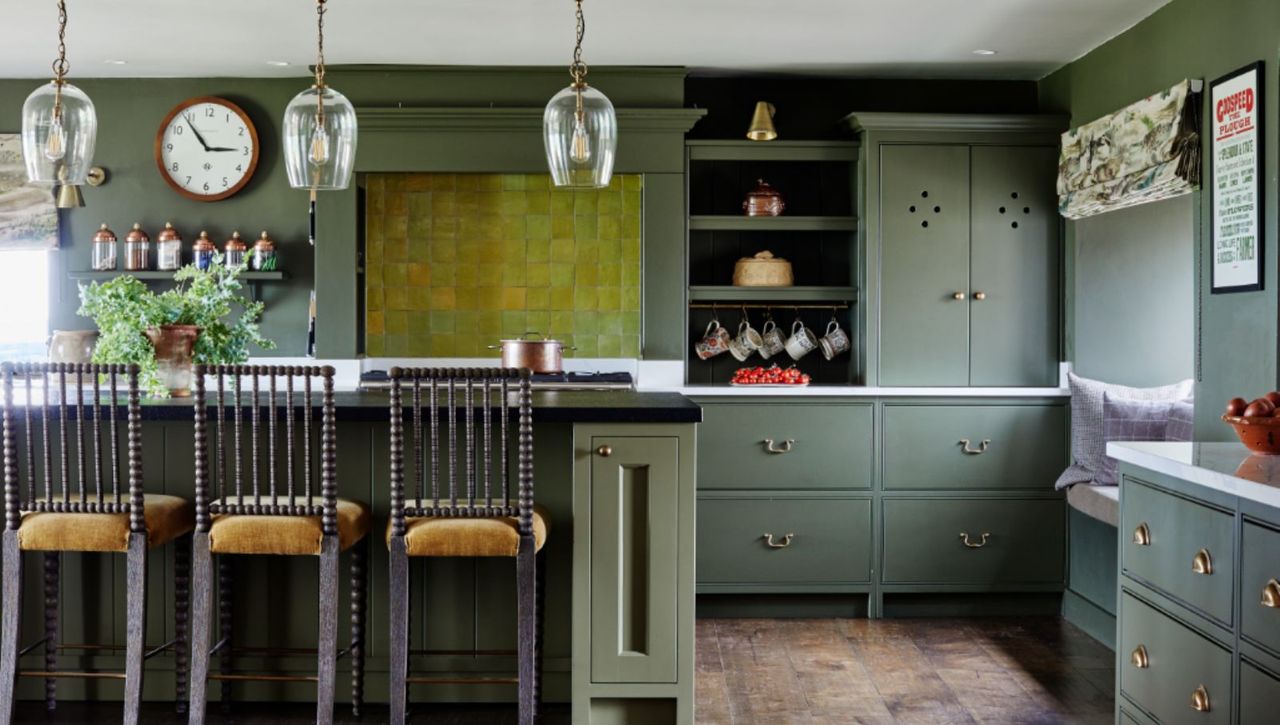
(726, 293)
(725, 339)
(740, 223)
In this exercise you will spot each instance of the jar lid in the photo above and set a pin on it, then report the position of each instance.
(264, 243)
(235, 243)
(137, 235)
(763, 189)
(169, 234)
(203, 243)
(104, 234)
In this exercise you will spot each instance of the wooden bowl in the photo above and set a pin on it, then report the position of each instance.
(1260, 435)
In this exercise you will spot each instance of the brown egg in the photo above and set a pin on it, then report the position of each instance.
(1274, 398)
(1236, 406)
(1260, 408)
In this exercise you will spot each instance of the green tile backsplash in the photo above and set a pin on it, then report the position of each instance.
(455, 262)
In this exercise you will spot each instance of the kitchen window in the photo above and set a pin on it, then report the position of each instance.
(24, 304)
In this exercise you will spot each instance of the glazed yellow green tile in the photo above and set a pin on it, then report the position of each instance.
(373, 273)
(444, 274)
(419, 204)
(419, 323)
(466, 182)
(466, 298)
(395, 275)
(586, 253)
(468, 251)
(537, 182)
(490, 251)
(442, 298)
(397, 204)
(420, 227)
(610, 251)
(632, 202)
(490, 274)
(443, 250)
(373, 299)
(537, 298)
(396, 182)
(416, 182)
(561, 324)
(513, 274)
(373, 252)
(537, 226)
(610, 272)
(561, 226)
(585, 344)
(419, 274)
(489, 323)
(609, 346)
(466, 276)
(397, 346)
(444, 204)
(490, 298)
(374, 323)
(631, 298)
(420, 298)
(513, 249)
(397, 322)
(538, 274)
(585, 323)
(562, 250)
(373, 227)
(561, 274)
(538, 322)
(630, 226)
(467, 203)
(513, 227)
(490, 227)
(468, 229)
(512, 202)
(630, 346)
(632, 182)
(468, 346)
(608, 298)
(489, 182)
(609, 227)
(615, 183)
(584, 298)
(395, 228)
(584, 203)
(631, 275)
(439, 321)
(375, 346)
(375, 183)
(514, 323)
(537, 202)
(419, 250)
(584, 276)
(442, 344)
(513, 182)
(419, 346)
(631, 250)
(609, 202)
(443, 182)
(538, 250)
(513, 298)
(562, 203)
(561, 298)
(585, 228)
(631, 323)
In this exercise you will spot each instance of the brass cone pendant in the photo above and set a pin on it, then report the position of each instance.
(762, 123)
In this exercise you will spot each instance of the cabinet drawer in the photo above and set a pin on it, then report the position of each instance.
(831, 446)
(1260, 586)
(1177, 662)
(1009, 446)
(923, 542)
(830, 541)
(1259, 695)
(1177, 532)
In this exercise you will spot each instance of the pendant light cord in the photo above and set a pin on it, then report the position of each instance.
(578, 69)
(320, 10)
(60, 66)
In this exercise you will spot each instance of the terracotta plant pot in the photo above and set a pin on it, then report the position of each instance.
(1260, 435)
(175, 347)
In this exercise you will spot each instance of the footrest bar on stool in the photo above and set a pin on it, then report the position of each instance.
(265, 678)
(462, 680)
(218, 647)
(161, 648)
(466, 652)
(81, 675)
(22, 652)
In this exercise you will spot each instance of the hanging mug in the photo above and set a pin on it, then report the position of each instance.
(713, 342)
(747, 341)
(835, 341)
(771, 340)
(802, 340)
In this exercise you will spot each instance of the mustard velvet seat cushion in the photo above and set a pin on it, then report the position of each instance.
(438, 536)
(286, 535)
(165, 517)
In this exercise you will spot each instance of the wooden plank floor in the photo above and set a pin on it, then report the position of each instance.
(812, 671)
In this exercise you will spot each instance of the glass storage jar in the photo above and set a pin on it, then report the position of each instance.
(104, 250)
(264, 255)
(137, 250)
(233, 251)
(168, 249)
(203, 251)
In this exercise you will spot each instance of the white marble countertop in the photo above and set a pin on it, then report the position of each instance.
(1226, 467)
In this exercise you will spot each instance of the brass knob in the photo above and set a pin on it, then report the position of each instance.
(1139, 658)
(1271, 595)
(958, 296)
(1200, 699)
(605, 451)
(1203, 563)
(979, 296)
(1142, 535)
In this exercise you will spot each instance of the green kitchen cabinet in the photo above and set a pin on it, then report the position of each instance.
(1260, 585)
(1259, 695)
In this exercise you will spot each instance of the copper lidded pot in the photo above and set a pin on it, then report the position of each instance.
(764, 200)
(540, 356)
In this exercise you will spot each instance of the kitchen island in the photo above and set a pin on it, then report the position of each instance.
(622, 528)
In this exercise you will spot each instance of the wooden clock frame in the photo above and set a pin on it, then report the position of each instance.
(253, 159)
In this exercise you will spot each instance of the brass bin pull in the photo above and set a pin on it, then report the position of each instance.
(769, 542)
(968, 450)
(1271, 595)
(605, 451)
(1203, 563)
(1142, 535)
(1139, 658)
(778, 450)
(1200, 699)
(982, 540)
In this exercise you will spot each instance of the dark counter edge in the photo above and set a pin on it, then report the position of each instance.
(559, 406)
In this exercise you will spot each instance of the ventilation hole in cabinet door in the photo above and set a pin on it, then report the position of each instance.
(937, 210)
(1014, 225)
(1014, 195)
(924, 224)
(924, 195)
(1001, 210)
(1026, 210)
(912, 209)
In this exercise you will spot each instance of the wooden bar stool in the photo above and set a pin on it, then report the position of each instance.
(92, 514)
(463, 506)
(235, 518)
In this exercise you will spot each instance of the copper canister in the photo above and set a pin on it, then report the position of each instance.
(764, 200)
(168, 249)
(104, 250)
(137, 250)
(233, 251)
(263, 258)
(203, 251)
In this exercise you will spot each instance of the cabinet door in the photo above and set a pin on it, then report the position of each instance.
(1013, 313)
(634, 549)
(924, 265)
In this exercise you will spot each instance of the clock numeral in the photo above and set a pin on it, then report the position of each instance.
(240, 167)
(241, 130)
(177, 130)
(206, 186)
(207, 166)
(175, 166)
(208, 112)
(246, 150)
(168, 147)
(187, 182)
(224, 182)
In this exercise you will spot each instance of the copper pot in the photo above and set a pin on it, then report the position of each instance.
(540, 356)
(764, 200)
(175, 350)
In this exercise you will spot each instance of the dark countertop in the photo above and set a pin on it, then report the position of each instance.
(553, 406)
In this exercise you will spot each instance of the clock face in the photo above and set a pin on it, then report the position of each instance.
(207, 148)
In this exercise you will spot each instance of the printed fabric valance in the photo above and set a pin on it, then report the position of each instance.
(1146, 152)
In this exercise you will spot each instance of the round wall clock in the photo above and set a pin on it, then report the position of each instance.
(207, 148)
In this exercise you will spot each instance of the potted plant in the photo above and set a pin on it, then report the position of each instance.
(164, 334)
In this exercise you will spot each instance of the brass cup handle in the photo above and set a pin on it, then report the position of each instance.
(982, 540)
(786, 446)
(1271, 595)
(958, 296)
(605, 451)
(1202, 563)
(982, 447)
(1200, 699)
(1139, 658)
(1142, 535)
(979, 296)
(769, 542)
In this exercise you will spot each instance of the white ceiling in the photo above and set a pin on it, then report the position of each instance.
(934, 38)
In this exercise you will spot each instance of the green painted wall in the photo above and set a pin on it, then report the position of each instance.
(1197, 39)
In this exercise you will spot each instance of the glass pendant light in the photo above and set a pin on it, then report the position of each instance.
(59, 126)
(319, 130)
(580, 128)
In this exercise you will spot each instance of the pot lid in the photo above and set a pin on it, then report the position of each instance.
(168, 234)
(764, 257)
(264, 243)
(763, 189)
(137, 235)
(235, 243)
(203, 243)
(104, 234)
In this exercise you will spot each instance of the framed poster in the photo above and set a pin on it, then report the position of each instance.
(1236, 176)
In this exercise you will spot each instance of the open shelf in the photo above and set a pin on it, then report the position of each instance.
(717, 293)
(152, 275)
(733, 150)
(784, 223)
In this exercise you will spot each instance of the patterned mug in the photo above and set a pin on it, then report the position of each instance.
(835, 341)
(714, 341)
(747, 341)
(771, 340)
(802, 340)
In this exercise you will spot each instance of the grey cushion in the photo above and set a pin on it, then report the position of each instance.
(1088, 448)
(1182, 426)
(1099, 502)
(1130, 420)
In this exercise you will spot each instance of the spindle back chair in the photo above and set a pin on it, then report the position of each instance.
(70, 485)
(464, 449)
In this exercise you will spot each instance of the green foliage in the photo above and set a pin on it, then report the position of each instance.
(124, 308)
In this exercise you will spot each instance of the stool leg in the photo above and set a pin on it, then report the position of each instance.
(226, 627)
(201, 619)
(136, 630)
(526, 583)
(359, 597)
(181, 618)
(399, 629)
(539, 602)
(11, 622)
(51, 562)
(327, 655)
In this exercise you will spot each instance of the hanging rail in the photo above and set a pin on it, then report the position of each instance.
(767, 306)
